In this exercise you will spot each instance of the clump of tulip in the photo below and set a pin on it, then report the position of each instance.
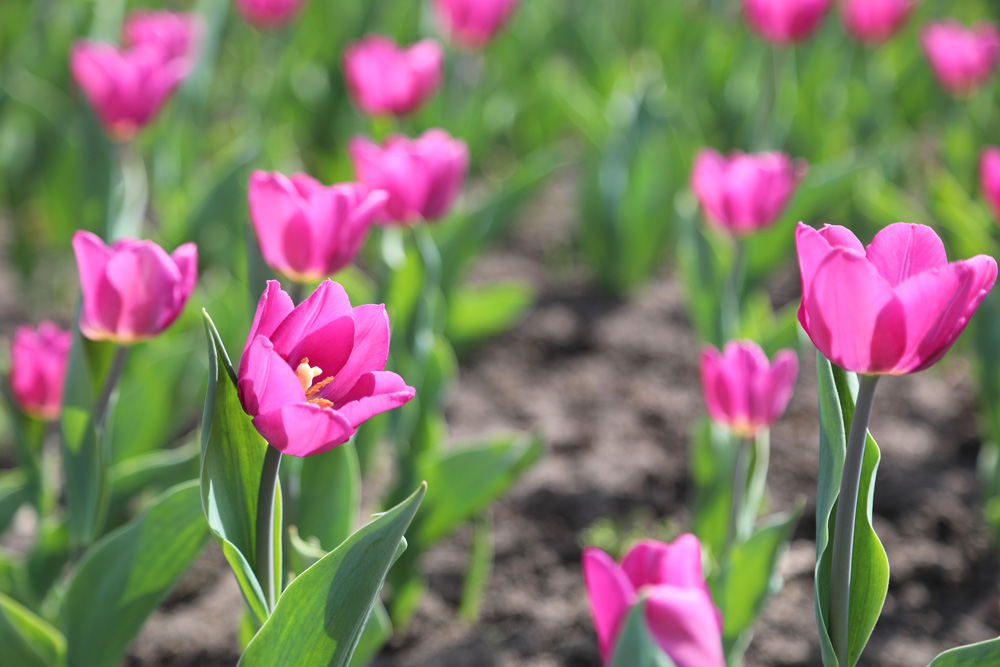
(38, 359)
(384, 79)
(963, 58)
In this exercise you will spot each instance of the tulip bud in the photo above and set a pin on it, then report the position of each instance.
(267, 14)
(385, 79)
(875, 21)
(38, 360)
(471, 24)
(785, 21)
(962, 58)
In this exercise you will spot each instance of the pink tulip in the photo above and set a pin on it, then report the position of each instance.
(38, 360)
(422, 176)
(269, 13)
(742, 389)
(385, 79)
(308, 231)
(744, 193)
(177, 35)
(893, 308)
(989, 177)
(962, 58)
(874, 21)
(679, 610)
(126, 87)
(471, 24)
(785, 21)
(132, 290)
(311, 374)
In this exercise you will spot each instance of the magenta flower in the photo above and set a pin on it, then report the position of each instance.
(894, 307)
(742, 389)
(269, 13)
(989, 177)
(471, 24)
(132, 290)
(176, 35)
(308, 231)
(962, 58)
(38, 360)
(311, 374)
(744, 193)
(422, 176)
(386, 79)
(679, 609)
(874, 21)
(785, 21)
(126, 87)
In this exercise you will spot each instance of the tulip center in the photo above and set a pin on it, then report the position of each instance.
(306, 374)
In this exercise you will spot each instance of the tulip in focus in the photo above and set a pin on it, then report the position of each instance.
(989, 177)
(268, 13)
(874, 21)
(742, 389)
(38, 360)
(386, 79)
(308, 231)
(785, 21)
(132, 290)
(893, 308)
(422, 176)
(679, 611)
(962, 58)
(176, 35)
(311, 374)
(744, 193)
(472, 23)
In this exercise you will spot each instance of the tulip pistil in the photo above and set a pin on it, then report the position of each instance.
(306, 374)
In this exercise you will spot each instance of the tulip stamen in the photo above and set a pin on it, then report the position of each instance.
(321, 402)
(306, 374)
(311, 391)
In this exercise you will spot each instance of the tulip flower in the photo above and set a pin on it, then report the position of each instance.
(176, 35)
(744, 193)
(679, 611)
(308, 231)
(785, 21)
(962, 58)
(892, 308)
(269, 13)
(471, 24)
(386, 79)
(742, 389)
(38, 359)
(989, 177)
(874, 21)
(132, 290)
(126, 88)
(311, 374)
(422, 176)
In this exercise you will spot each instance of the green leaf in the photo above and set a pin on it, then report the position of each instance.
(635, 646)
(27, 639)
(869, 564)
(126, 575)
(330, 496)
(480, 312)
(973, 655)
(377, 632)
(320, 617)
(154, 471)
(29, 437)
(13, 493)
(232, 458)
(477, 575)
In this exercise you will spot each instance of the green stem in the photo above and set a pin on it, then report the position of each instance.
(264, 554)
(110, 382)
(741, 473)
(732, 291)
(843, 536)
(297, 292)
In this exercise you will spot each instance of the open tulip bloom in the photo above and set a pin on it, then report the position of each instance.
(785, 21)
(680, 615)
(962, 58)
(386, 79)
(472, 23)
(38, 359)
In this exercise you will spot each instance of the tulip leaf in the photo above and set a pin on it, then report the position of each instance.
(475, 313)
(973, 655)
(377, 632)
(329, 501)
(320, 618)
(232, 459)
(13, 493)
(29, 437)
(635, 646)
(155, 470)
(126, 575)
(869, 564)
(27, 639)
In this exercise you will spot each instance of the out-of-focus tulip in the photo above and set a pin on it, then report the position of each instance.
(679, 609)
(269, 13)
(38, 361)
(744, 193)
(892, 308)
(177, 35)
(132, 290)
(472, 23)
(874, 21)
(386, 79)
(422, 176)
(308, 231)
(989, 177)
(126, 87)
(311, 374)
(785, 21)
(742, 389)
(962, 58)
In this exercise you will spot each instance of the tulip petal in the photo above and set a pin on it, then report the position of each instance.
(683, 621)
(321, 328)
(273, 200)
(716, 401)
(902, 250)
(610, 594)
(707, 178)
(144, 277)
(374, 393)
(272, 309)
(186, 259)
(368, 351)
(771, 398)
(303, 429)
(266, 381)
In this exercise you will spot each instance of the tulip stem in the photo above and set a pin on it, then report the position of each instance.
(296, 292)
(110, 382)
(731, 293)
(264, 555)
(847, 504)
(741, 473)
